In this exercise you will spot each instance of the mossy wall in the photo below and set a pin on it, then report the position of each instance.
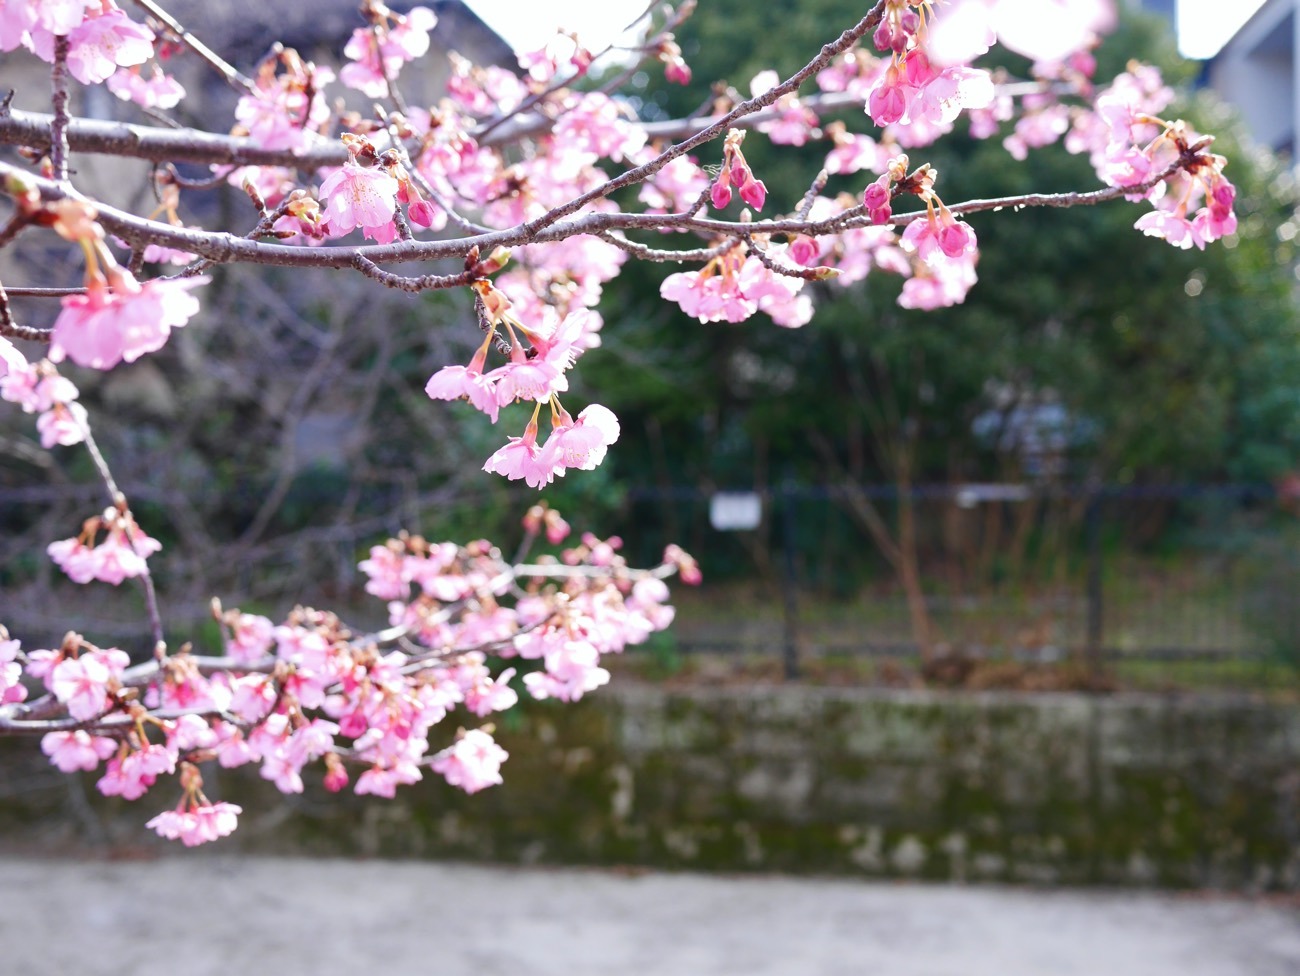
(1026, 788)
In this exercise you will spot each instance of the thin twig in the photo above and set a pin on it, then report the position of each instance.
(232, 75)
(805, 205)
(414, 285)
(119, 501)
(643, 253)
(807, 274)
(11, 329)
(47, 292)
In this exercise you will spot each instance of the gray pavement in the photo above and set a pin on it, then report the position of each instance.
(198, 915)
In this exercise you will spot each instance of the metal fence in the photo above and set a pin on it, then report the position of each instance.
(1173, 585)
(1162, 582)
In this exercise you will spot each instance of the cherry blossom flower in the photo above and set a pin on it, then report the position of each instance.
(63, 424)
(77, 750)
(285, 108)
(388, 572)
(1172, 227)
(102, 44)
(582, 443)
(465, 383)
(939, 284)
(572, 670)
(878, 200)
(488, 695)
(199, 825)
(18, 17)
(357, 196)
(159, 90)
(82, 683)
(11, 360)
(120, 556)
(111, 324)
(521, 458)
(11, 672)
(473, 763)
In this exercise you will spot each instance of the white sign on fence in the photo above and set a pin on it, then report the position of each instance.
(735, 511)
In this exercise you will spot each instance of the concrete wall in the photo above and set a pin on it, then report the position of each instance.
(1139, 790)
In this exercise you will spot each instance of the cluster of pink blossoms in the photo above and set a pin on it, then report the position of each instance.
(121, 554)
(1139, 146)
(119, 319)
(736, 172)
(310, 690)
(734, 285)
(378, 52)
(533, 373)
(39, 389)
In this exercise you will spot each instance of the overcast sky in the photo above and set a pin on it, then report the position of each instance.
(1204, 25)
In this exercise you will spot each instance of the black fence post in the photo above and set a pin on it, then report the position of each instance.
(1093, 646)
(790, 655)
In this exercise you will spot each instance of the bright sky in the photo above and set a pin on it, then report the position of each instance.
(528, 24)
(1204, 25)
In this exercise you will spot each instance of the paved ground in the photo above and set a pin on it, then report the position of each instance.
(193, 916)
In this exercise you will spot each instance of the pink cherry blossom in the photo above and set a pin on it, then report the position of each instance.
(77, 750)
(18, 17)
(74, 558)
(81, 683)
(473, 763)
(521, 458)
(467, 383)
(250, 637)
(11, 360)
(939, 284)
(583, 443)
(199, 825)
(357, 196)
(158, 90)
(490, 695)
(674, 187)
(572, 670)
(108, 325)
(63, 424)
(1173, 227)
(387, 569)
(11, 672)
(527, 379)
(102, 44)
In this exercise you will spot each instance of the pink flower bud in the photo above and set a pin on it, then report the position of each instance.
(422, 213)
(740, 172)
(721, 193)
(876, 196)
(888, 102)
(955, 238)
(804, 251)
(754, 193)
(677, 71)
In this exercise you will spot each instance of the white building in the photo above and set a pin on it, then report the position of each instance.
(1256, 72)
